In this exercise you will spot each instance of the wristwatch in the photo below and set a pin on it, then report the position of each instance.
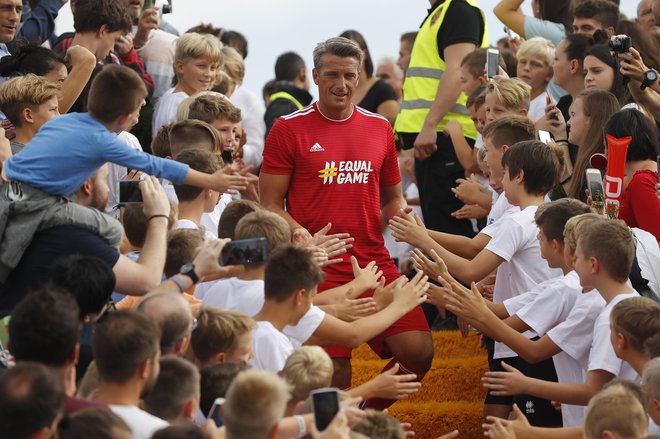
(189, 270)
(650, 76)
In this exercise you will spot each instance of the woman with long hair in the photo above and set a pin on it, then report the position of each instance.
(589, 112)
(371, 93)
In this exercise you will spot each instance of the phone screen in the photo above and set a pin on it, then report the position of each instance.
(595, 184)
(492, 63)
(544, 136)
(244, 252)
(214, 413)
(326, 406)
(129, 192)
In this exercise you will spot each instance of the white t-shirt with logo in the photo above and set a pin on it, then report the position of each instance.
(143, 424)
(271, 348)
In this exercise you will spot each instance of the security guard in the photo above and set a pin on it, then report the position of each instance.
(431, 97)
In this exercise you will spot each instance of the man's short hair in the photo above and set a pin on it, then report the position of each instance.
(215, 381)
(553, 217)
(93, 423)
(182, 248)
(539, 47)
(540, 163)
(234, 65)
(232, 214)
(193, 45)
(617, 410)
(199, 160)
(177, 383)
(263, 223)
(44, 327)
(237, 41)
(211, 106)
(603, 11)
(256, 401)
(90, 280)
(28, 91)
(651, 377)
(136, 223)
(509, 130)
(338, 46)
(513, 93)
(122, 342)
(90, 16)
(611, 242)
(193, 134)
(31, 397)
(218, 330)
(171, 312)
(307, 368)
(288, 270)
(475, 62)
(182, 431)
(207, 28)
(161, 144)
(409, 37)
(637, 318)
(287, 66)
(116, 91)
(379, 424)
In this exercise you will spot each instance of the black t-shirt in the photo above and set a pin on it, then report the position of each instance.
(47, 247)
(462, 24)
(377, 94)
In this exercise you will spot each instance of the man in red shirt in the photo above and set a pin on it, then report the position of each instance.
(335, 162)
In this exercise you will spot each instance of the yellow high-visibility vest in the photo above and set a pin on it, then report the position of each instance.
(423, 76)
(285, 95)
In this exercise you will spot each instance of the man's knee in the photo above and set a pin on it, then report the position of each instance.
(413, 349)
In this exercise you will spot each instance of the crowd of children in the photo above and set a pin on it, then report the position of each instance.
(121, 319)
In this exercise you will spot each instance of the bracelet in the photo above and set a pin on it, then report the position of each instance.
(179, 283)
(159, 215)
(301, 425)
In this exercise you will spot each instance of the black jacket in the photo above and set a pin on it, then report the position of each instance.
(282, 107)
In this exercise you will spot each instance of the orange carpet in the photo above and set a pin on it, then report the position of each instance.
(451, 396)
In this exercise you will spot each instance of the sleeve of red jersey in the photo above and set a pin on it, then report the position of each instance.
(389, 172)
(278, 151)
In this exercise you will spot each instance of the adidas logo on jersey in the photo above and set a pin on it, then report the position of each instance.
(316, 148)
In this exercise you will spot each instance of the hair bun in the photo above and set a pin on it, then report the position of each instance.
(601, 36)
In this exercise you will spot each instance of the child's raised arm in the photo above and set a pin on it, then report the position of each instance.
(465, 155)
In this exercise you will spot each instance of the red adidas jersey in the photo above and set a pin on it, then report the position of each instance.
(337, 169)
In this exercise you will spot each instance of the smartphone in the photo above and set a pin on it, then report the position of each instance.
(325, 403)
(492, 63)
(595, 184)
(214, 413)
(129, 192)
(244, 252)
(544, 136)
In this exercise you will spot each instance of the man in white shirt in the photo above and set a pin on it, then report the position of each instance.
(127, 355)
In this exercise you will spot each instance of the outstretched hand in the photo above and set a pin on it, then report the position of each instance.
(367, 278)
(414, 233)
(510, 382)
(469, 304)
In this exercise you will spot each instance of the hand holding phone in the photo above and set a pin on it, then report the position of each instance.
(492, 63)
(129, 192)
(325, 403)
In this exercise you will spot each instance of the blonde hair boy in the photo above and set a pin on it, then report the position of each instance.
(537, 47)
(267, 224)
(234, 65)
(507, 96)
(256, 401)
(192, 46)
(615, 413)
(28, 101)
(611, 243)
(307, 368)
(222, 336)
(572, 229)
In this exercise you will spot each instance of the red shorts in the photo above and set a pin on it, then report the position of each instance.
(415, 320)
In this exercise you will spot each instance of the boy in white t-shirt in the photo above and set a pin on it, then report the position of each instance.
(547, 307)
(194, 201)
(603, 259)
(290, 282)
